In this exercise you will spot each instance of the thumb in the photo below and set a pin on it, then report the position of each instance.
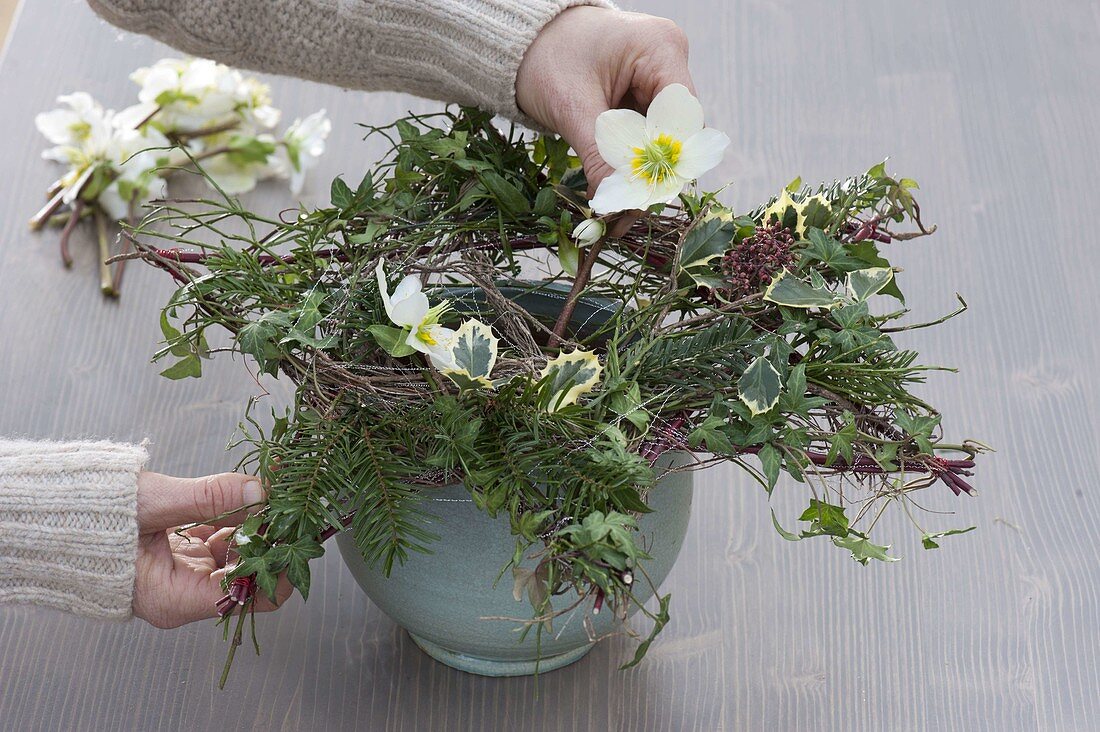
(577, 126)
(164, 502)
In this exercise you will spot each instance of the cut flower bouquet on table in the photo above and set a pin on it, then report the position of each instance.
(463, 316)
(188, 111)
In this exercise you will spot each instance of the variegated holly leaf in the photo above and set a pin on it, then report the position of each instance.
(815, 211)
(568, 376)
(783, 211)
(787, 289)
(797, 216)
(474, 353)
(864, 283)
(759, 386)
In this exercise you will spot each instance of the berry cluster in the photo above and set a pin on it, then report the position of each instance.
(750, 265)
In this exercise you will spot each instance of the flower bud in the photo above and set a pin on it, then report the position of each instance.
(588, 232)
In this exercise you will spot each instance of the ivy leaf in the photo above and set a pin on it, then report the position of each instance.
(189, 366)
(172, 336)
(864, 283)
(863, 550)
(919, 428)
(928, 540)
(825, 518)
(507, 196)
(660, 620)
(340, 194)
(627, 403)
(711, 434)
(841, 443)
(759, 386)
(298, 574)
(772, 462)
(829, 252)
(257, 339)
(783, 532)
(787, 289)
(392, 340)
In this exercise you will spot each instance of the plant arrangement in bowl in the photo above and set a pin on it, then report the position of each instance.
(502, 388)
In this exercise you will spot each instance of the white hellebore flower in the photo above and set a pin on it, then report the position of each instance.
(588, 232)
(81, 129)
(654, 156)
(192, 93)
(302, 145)
(254, 98)
(408, 308)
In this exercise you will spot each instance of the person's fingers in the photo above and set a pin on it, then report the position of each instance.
(660, 52)
(202, 532)
(164, 502)
(577, 126)
(219, 545)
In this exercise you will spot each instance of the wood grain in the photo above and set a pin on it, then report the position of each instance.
(990, 104)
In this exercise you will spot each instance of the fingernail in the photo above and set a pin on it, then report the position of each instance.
(253, 493)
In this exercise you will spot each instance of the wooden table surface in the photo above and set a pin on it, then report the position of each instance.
(990, 104)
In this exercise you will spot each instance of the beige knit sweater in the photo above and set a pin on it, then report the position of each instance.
(68, 525)
(465, 51)
(68, 520)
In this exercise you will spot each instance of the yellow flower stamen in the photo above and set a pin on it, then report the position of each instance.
(656, 161)
(424, 334)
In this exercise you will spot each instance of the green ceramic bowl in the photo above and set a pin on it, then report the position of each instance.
(443, 599)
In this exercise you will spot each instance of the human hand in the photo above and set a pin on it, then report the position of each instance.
(179, 578)
(588, 60)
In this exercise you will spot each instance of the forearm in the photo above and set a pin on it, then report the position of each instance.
(465, 51)
(68, 525)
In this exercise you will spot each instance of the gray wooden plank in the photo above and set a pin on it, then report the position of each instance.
(991, 105)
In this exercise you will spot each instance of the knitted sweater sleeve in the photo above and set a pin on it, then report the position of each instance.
(465, 51)
(68, 525)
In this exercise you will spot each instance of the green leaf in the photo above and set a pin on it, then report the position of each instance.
(511, 201)
(787, 289)
(244, 150)
(660, 620)
(392, 340)
(928, 540)
(783, 532)
(474, 353)
(708, 240)
(829, 252)
(190, 365)
(569, 256)
(759, 386)
(772, 463)
(171, 336)
(627, 403)
(268, 582)
(568, 376)
(842, 440)
(825, 518)
(862, 549)
(340, 194)
(864, 283)
(298, 574)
